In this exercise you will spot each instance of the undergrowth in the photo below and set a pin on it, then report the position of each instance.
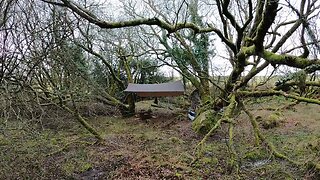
(160, 148)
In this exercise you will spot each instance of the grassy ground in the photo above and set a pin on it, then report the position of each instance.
(160, 148)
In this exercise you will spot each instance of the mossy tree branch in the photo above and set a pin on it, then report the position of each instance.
(307, 83)
(267, 19)
(244, 94)
(289, 60)
(254, 125)
(84, 123)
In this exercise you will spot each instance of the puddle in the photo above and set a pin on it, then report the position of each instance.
(260, 163)
(90, 174)
(257, 164)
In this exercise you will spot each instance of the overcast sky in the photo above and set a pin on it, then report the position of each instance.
(111, 7)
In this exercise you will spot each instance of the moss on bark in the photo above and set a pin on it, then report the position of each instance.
(205, 121)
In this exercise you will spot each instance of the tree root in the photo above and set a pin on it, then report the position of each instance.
(227, 117)
(199, 147)
(260, 137)
(234, 160)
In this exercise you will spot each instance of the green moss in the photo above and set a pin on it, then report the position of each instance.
(256, 154)
(85, 166)
(55, 141)
(186, 157)
(151, 146)
(247, 51)
(272, 56)
(293, 61)
(272, 121)
(76, 165)
(205, 121)
(69, 168)
(178, 175)
(147, 135)
(209, 160)
(4, 141)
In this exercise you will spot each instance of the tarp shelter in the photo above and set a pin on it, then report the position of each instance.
(156, 90)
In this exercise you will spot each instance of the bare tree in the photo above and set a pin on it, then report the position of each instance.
(256, 36)
(40, 67)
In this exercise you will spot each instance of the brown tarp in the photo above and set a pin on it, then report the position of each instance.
(156, 90)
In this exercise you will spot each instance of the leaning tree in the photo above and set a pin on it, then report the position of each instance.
(256, 34)
(49, 58)
(186, 51)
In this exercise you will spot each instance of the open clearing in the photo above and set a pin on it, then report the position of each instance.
(159, 148)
